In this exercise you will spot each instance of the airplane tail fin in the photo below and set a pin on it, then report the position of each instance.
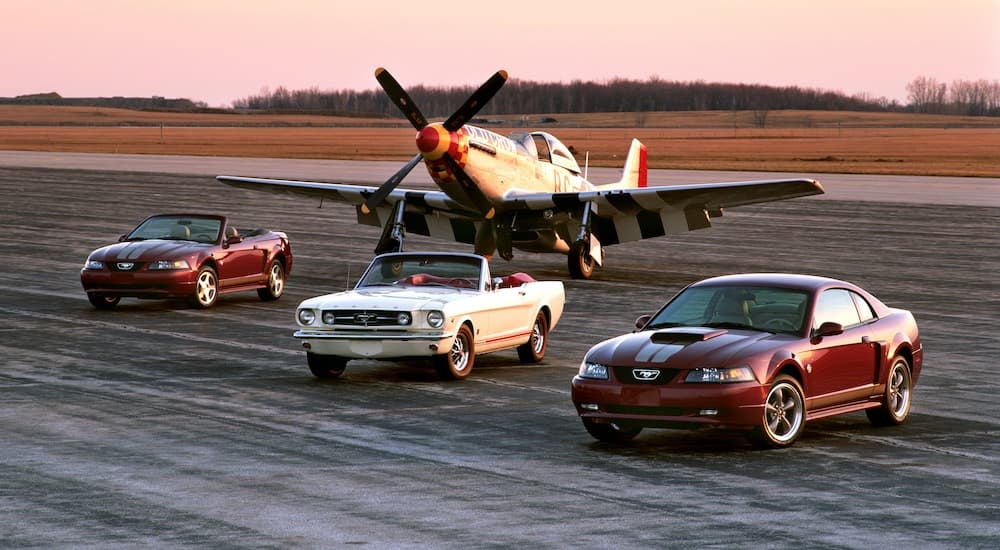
(635, 172)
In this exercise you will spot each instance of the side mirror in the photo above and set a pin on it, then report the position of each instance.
(233, 239)
(642, 320)
(829, 328)
(122, 237)
(497, 281)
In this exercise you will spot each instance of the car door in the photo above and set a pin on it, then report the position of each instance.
(509, 316)
(241, 261)
(841, 367)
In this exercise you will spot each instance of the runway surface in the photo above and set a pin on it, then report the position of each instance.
(158, 425)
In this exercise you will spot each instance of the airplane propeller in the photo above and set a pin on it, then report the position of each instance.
(466, 112)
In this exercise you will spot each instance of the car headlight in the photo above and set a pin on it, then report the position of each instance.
(93, 264)
(404, 318)
(713, 375)
(306, 316)
(596, 371)
(435, 319)
(169, 264)
(329, 318)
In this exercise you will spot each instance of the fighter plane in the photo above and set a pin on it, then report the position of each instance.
(524, 191)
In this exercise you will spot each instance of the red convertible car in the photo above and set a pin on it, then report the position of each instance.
(193, 256)
(759, 353)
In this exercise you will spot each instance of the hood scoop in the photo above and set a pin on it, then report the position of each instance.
(685, 336)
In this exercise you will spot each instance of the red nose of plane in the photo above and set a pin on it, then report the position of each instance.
(433, 141)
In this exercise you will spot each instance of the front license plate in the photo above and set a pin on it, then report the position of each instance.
(367, 349)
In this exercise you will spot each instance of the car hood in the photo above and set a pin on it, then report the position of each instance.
(153, 249)
(402, 298)
(686, 347)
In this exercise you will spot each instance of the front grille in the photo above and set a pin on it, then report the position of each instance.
(364, 318)
(114, 265)
(626, 375)
(645, 411)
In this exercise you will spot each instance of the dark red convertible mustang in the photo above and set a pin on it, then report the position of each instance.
(759, 353)
(194, 256)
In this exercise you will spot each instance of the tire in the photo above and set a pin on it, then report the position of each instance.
(784, 415)
(103, 302)
(895, 405)
(326, 367)
(533, 350)
(206, 288)
(610, 432)
(275, 282)
(458, 362)
(581, 265)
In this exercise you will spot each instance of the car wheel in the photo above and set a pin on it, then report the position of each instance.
(895, 405)
(206, 288)
(275, 282)
(326, 366)
(581, 265)
(784, 415)
(103, 302)
(610, 432)
(458, 362)
(534, 349)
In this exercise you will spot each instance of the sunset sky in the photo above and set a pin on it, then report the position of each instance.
(217, 51)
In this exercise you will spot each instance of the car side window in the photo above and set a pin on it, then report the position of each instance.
(864, 308)
(836, 305)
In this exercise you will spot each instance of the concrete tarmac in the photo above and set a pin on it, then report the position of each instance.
(156, 425)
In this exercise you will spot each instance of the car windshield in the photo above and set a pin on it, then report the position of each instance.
(451, 271)
(184, 228)
(764, 308)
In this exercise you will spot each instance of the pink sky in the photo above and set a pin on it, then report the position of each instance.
(220, 50)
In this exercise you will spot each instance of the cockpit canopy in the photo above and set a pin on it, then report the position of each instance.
(546, 148)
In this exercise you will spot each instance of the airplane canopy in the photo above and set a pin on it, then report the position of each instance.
(547, 148)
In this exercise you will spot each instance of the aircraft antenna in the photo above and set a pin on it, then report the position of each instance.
(586, 166)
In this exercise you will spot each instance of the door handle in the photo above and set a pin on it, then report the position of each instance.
(866, 339)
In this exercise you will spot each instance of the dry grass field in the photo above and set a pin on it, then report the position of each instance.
(793, 141)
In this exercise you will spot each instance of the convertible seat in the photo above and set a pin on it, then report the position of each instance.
(516, 279)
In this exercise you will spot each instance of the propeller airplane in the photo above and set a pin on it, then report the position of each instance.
(524, 191)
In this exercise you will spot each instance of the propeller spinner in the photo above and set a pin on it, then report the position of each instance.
(433, 140)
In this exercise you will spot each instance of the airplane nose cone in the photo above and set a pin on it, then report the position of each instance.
(433, 141)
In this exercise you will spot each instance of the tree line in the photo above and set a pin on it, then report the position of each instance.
(926, 95)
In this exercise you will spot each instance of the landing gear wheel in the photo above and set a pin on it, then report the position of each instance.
(581, 265)
(206, 288)
(896, 401)
(458, 362)
(275, 282)
(103, 302)
(534, 349)
(610, 432)
(326, 366)
(784, 415)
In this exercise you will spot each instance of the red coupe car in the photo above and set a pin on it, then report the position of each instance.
(760, 353)
(194, 256)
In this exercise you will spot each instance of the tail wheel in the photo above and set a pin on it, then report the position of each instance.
(206, 288)
(784, 415)
(895, 405)
(610, 432)
(275, 282)
(103, 302)
(458, 362)
(581, 265)
(326, 366)
(533, 350)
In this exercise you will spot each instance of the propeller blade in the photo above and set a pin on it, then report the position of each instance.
(480, 97)
(471, 189)
(382, 192)
(400, 98)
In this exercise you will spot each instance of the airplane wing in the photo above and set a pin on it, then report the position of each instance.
(429, 213)
(624, 215)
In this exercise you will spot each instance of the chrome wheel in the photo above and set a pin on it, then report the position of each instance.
(206, 288)
(275, 282)
(895, 406)
(533, 350)
(458, 362)
(784, 415)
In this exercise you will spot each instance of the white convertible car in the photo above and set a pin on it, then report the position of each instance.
(443, 306)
